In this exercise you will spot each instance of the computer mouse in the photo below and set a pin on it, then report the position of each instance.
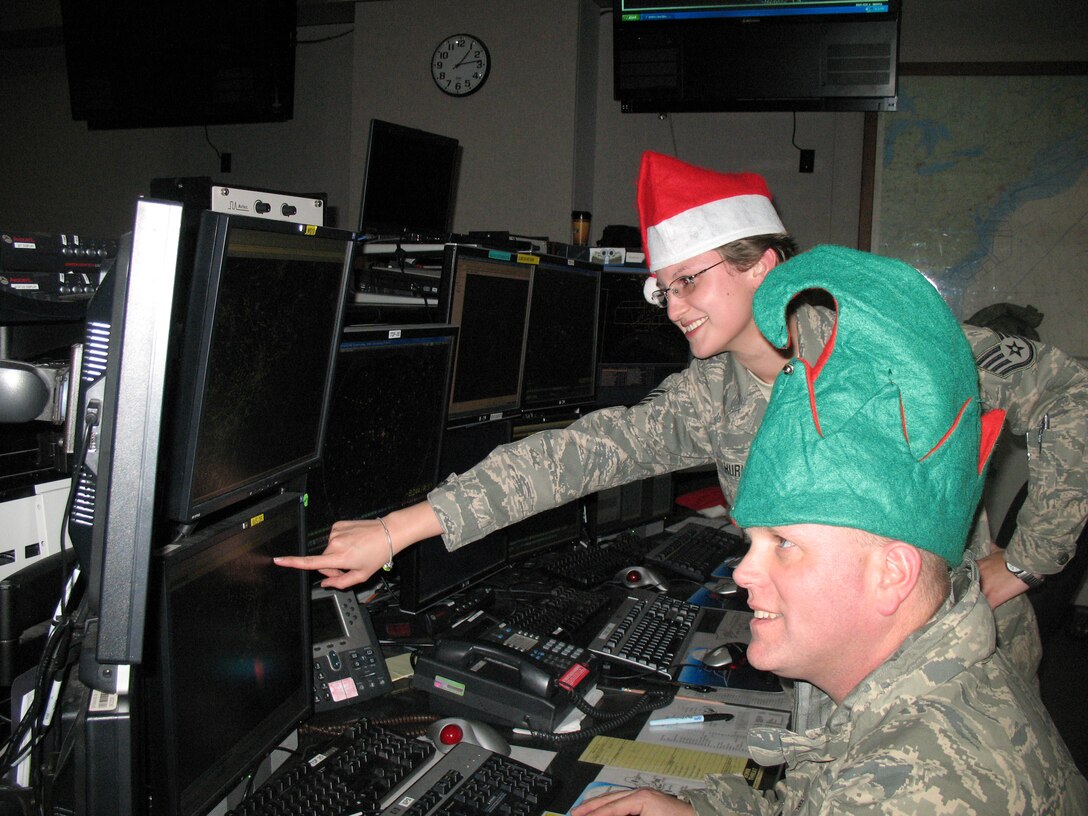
(726, 656)
(447, 732)
(635, 577)
(726, 586)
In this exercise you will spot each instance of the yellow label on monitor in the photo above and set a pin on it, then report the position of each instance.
(253, 522)
(311, 229)
(524, 257)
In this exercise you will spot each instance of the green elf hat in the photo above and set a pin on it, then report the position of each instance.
(884, 433)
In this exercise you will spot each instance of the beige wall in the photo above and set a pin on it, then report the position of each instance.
(517, 133)
(543, 137)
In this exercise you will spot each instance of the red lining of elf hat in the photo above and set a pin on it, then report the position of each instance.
(949, 432)
(992, 421)
(812, 372)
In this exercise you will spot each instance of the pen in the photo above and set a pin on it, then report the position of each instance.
(694, 718)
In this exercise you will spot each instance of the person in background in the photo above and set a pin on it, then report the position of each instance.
(711, 239)
(858, 494)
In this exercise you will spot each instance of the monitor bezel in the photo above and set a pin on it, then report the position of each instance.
(181, 504)
(381, 333)
(384, 135)
(574, 395)
(508, 403)
(174, 563)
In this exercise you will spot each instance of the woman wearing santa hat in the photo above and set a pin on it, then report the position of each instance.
(710, 239)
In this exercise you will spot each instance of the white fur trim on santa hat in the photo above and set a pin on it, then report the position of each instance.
(709, 226)
(649, 286)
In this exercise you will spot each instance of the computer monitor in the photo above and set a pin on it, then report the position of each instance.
(385, 425)
(409, 185)
(681, 55)
(489, 301)
(121, 395)
(228, 669)
(113, 495)
(428, 573)
(561, 343)
(256, 360)
(622, 508)
(639, 345)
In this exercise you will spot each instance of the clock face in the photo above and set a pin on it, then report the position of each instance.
(460, 65)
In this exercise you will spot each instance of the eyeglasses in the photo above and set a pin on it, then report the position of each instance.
(680, 288)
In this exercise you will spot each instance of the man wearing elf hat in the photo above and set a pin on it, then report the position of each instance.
(858, 494)
(711, 238)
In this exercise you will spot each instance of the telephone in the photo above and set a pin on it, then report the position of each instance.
(348, 663)
(518, 682)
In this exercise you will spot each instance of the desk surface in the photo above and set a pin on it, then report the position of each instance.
(629, 754)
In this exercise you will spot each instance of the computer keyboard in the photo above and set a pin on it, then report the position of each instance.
(588, 567)
(648, 630)
(353, 773)
(557, 614)
(472, 781)
(585, 567)
(695, 551)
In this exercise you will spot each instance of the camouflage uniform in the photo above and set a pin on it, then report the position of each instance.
(708, 414)
(944, 726)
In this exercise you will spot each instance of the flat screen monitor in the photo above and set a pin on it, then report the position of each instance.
(622, 508)
(639, 345)
(120, 403)
(682, 55)
(489, 301)
(409, 184)
(428, 572)
(228, 675)
(386, 419)
(257, 353)
(561, 343)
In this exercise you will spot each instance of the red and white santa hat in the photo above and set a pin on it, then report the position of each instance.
(686, 210)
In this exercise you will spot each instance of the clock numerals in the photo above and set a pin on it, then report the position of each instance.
(460, 65)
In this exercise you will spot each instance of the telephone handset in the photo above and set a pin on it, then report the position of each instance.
(533, 676)
(506, 677)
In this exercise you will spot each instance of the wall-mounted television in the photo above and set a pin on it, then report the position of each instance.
(173, 63)
(755, 55)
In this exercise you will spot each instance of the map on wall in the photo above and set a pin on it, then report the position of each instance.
(982, 184)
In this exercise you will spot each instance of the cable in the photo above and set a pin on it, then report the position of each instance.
(208, 139)
(607, 721)
(325, 39)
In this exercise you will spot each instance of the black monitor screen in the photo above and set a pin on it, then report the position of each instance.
(639, 344)
(428, 571)
(561, 344)
(230, 674)
(257, 358)
(411, 178)
(386, 418)
(489, 302)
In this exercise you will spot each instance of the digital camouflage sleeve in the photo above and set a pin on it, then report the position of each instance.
(1044, 393)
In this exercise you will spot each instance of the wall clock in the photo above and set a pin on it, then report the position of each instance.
(460, 65)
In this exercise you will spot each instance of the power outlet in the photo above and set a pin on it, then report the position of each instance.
(808, 161)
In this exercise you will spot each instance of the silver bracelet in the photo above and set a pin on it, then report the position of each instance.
(388, 565)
